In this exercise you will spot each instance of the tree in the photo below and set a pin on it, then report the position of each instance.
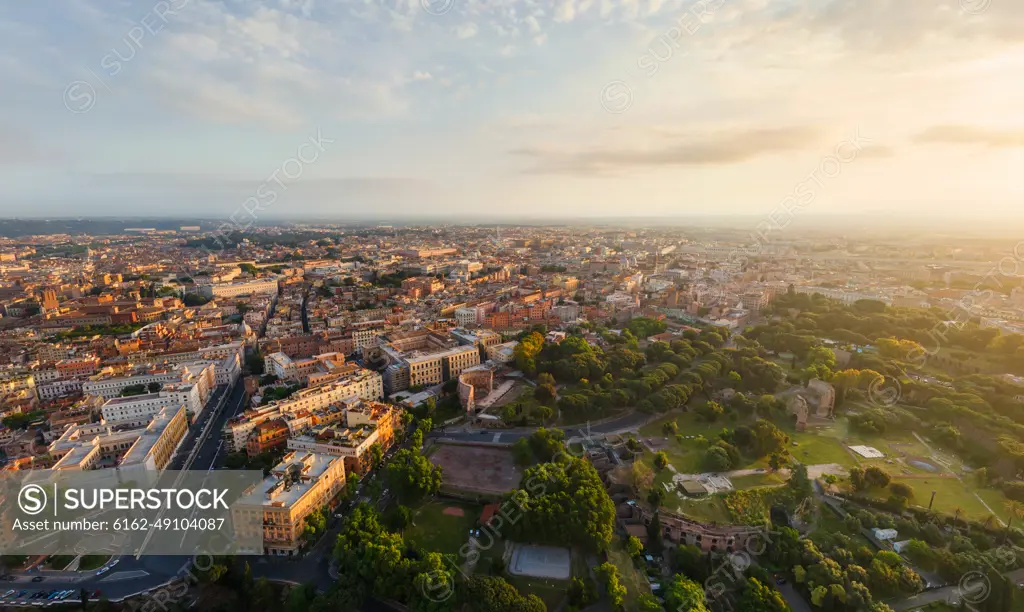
(544, 393)
(413, 475)
(759, 597)
(495, 594)
(876, 477)
(670, 428)
(903, 490)
(641, 476)
(660, 460)
(654, 542)
(634, 547)
(716, 459)
(522, 452)
(376, 456)
(547, 443)
(818, 596)
(564, 504)
(685, 595)
(689, 561)
(215, 573)
(921, 553)
(609, 575)
(581, 594)
(656, 497)
(800, 482)
(857, 478)
(648, 603)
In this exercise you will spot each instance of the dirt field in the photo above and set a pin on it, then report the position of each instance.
(475, 468)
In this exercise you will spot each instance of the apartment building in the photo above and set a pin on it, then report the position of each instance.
(73, 368)
(267, 436)
(147, 444)
(316, 370)
(363, 384)
(300, 484)
(189, 394)
(436, 368)
(202, 373)
(365, 424)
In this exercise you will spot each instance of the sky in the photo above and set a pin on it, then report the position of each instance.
(605, 108)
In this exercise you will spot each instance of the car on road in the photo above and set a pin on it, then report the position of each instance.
(39, 579)
(780, 580)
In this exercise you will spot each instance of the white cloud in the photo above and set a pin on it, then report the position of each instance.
(466, 30)
(566, 10)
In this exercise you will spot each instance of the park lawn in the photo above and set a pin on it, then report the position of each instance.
(754, 481)
(552, 592)
(709, 509)
(997, 501)
(433, 530)
(632, 578)
(815, 448)
(685, 461)
(950, 494)
(689, 425)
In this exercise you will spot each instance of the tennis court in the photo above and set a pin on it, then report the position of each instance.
(541, 562)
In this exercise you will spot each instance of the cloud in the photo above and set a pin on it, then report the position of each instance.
(566, 11)
(466, 30)
(720, 149)
(971, 135)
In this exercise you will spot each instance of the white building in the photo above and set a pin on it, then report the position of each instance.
(58, 388)
(264, 286)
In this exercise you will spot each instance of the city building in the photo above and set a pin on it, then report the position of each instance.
(302, 483)
(261, 286)
(148, 443)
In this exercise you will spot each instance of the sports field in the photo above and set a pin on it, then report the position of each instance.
(477, 468)
(440, 526)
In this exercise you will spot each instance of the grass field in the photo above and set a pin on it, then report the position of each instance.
(433, 530)
(551, 591)
(632, 578)
(754, 481)
(950, 495)
(814, 447)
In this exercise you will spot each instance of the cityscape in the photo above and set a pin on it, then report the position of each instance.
(525, 417)
(512, 306)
